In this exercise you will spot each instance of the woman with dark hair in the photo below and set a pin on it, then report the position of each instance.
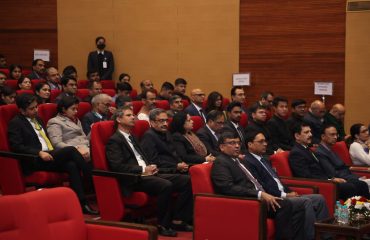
(124, 77)
(24, 83)
(188, 146)
(7, 95)
(214, 102)
(66, 130)
(42, 91)
(359, 148)
(70, 70)
(15, 71)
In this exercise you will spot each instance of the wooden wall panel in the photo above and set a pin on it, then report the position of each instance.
(287, 45)
(27, 25)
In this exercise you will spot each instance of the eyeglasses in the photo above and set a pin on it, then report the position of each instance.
(162, 120)
(2, 78)
(200, 95)
(106, 104)
(233, 143)
(220, 123)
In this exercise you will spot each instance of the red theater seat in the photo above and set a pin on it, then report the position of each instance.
(244, 120)
(110, 92)
(53, 214)
(82, 84)
(133, 94)
(82, 93)
(197, 123)
(163, 104)
(12, 83)
(108, 84)
(137, 106)
(54, 94)
(19, 92)
(35, 82)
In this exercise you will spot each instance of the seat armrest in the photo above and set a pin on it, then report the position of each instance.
(97, 229)
(303, 188)
(360, 169)
(18, 156)
(128, 178)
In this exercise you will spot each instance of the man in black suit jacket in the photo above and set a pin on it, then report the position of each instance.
(304, 163)
(234, 111)
(27, 135)
(101, 60)
(69, 85)
(124, 154)
(314, 204)
(299, 109)
(230, 177)
(280, 134)
(315, 119)
(208, 133)
(38, 70)
(195, 108)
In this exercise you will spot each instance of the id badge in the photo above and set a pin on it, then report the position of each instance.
(105, 64)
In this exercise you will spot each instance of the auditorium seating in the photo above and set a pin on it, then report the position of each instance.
(82, 93)
(49, 110)
(197, 123)
(112, 204)
(12, 83)
(5, 70)
(244, 120)
(54, 94)
(137, 106)
(162, 104)
(82, 84)
(20, 91)
(108, 84)
(52, 214)
(110, 92)
(35, 82)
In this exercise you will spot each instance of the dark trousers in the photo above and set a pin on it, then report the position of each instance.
(68, 160)
(162, 186)
(353, 187)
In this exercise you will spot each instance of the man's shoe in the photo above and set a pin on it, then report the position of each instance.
(168, 232)
(182, 227)
(86, 209)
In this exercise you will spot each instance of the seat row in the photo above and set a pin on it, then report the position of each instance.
(106, 84)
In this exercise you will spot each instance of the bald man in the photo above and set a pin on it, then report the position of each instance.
(197, 97)
(53, 78)
(335, 117)
(145, 85)
(315, 119)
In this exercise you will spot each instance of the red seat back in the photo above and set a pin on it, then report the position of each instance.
(5, 70)
(108, 84)
(12, 83)
(281, 163)
(82, 84)
(163, 104)
(340, 148)
(197, 123)
(54, 94)
(26, 72)
(19, 92)
(185, 103)
(35, 82)
(82, 93)
(137, 106)
(244, 120)
(133, 94)
(83, 108)
(100, 133)
(141, 126)
(110, 92)
(201, 178)
(47, 111)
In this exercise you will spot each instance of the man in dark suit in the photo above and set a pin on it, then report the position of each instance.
(38, 70)
(69, 85)
(336, 167)
(280, 134)
(314, 204)
(208, 133)
(234, 111)
(101, 106)
(315, 119)
(238, 95)
(27, 135)
(195, 108)
(124, 154)
(305, 163)
(158, 145)
(232, 178)
(101, 60)
(299, 109)
(180, 89)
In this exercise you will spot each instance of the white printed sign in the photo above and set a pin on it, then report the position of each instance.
(323, 88)
(241, 79)
(43, 54)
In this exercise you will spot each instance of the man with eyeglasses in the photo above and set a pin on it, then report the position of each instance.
(230, 177)
(209, 133)
(124, 154)
(196, 107)
(69, 85)
(260, 167)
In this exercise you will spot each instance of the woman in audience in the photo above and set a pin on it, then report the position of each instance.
(24, 83)
(188, 146)
(70, 70)
(42, 91)
(214, 102)
(66, 130)
(15, 71)
(359, 149)
(124, 77)
(8, 95)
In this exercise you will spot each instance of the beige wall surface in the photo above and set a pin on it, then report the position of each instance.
(158, 40)
(357, 77)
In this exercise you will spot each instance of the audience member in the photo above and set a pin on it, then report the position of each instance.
(187, 144)
(42, 92)
(281, 137)
(15, 71)
(180, 89)
(232, 178)
(124, 77)
(305, 163)
(266, 99)
(238, 95)
(209, 133)
(166, 91)
(261, 169)
(299, 109)
(124, 154)
(70, 70)
(53, 78)
(2, 79)
(145, 85)
(69, 85)
(101, 60)
(148, 100)
(315, 119)
(359, 148)
(195, 108)
(122, 101)
(214, 102)
(93, 75)
(336, 117)
(27, 135)
(3, 63)
(176, 105)
(66, 130)
(234, 113)
(95, 88)
(24, 83)
(38, 70)
(8, 95)
(101, 107)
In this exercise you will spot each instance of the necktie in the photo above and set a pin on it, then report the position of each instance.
(250, 176)
(42, 133)
(136, 146)
(313, 155)
(202, 114)
(269, 168)
(239, 130)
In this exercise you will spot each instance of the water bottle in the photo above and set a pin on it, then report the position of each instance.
(345, 215)
(337, 213)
